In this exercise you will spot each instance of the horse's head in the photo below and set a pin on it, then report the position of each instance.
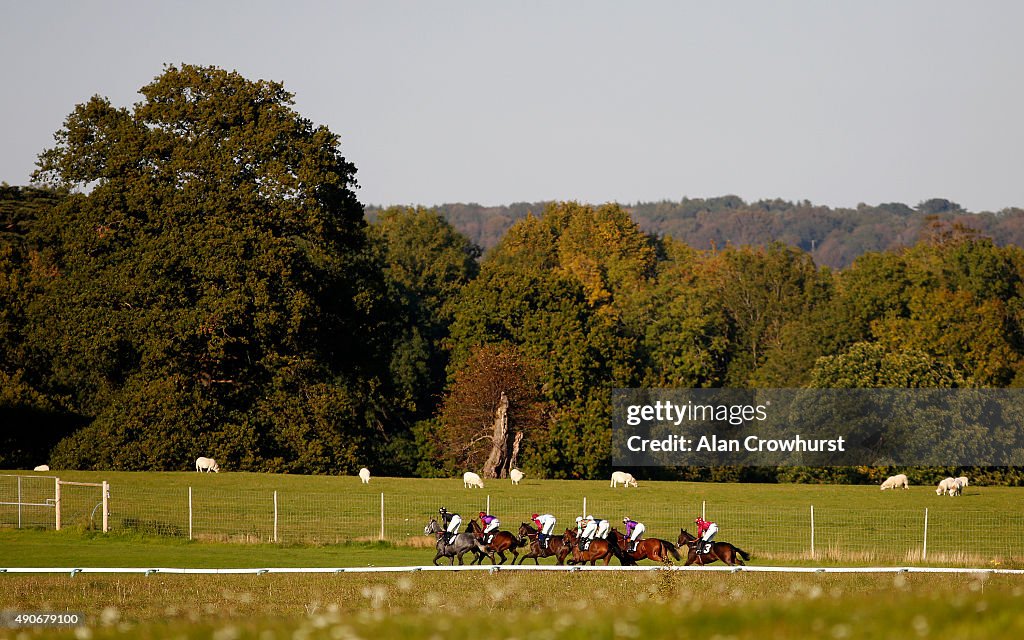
(432, 527)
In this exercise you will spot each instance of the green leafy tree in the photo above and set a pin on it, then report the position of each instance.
(214, 254)
(556, 287)
(426, 263)
(868, 365)
(761, 291)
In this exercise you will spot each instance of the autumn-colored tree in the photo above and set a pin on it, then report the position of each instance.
(492, 409)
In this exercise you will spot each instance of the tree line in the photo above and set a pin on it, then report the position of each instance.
(834, 237)
(197, 277)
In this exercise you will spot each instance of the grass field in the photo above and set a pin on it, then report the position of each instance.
(620, 605)
(852, 524)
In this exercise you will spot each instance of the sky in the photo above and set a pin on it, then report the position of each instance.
(840, 102)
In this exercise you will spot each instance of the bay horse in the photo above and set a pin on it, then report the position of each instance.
(654, 549)
(459, 546)
(501, 541)
(556, 548)
(727, 553)
(598, 550)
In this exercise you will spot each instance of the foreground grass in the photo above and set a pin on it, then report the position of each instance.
(506, 605)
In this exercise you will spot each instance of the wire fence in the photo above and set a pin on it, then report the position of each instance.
(796, 531)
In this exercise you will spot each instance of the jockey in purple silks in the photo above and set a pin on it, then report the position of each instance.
(491, 525)
(634, 530)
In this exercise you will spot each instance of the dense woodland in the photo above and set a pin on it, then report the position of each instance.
(198, 277)
(833, 237)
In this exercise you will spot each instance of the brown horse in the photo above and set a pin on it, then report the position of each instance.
(501, 541)
(528, 535)
(654, 549)
(723, 551)
(598, 550)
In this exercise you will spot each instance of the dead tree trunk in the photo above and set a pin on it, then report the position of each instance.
(513, 458)
(498, 459)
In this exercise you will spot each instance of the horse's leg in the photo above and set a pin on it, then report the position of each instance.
(501, 554)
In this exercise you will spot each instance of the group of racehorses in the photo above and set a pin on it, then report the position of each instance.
(566, 548)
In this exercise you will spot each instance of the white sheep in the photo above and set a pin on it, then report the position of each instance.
(42, 467)
(623, 478)
(470, 479)
(364, 475)
(898, 481)
(945, 487)
(516, 476)
(207, 465)
(963, 481)
(957, 488)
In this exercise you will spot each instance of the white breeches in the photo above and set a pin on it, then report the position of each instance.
(710, 533)
(493, 526)
(637, 530)
(453, 526)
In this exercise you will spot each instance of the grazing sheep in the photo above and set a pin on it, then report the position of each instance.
(364, 475)
(956, 488)
(516, 475)
(963, 481)
(470, 479)
(945, 487)
(46, 467)
(623, 478)
(207, 465)
(898, 481)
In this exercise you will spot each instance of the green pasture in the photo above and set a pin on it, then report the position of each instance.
(420, 606)
(852, 524)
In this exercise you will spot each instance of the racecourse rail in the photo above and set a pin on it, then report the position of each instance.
(72, 571)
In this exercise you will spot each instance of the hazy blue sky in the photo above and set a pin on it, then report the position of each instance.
(499, 102)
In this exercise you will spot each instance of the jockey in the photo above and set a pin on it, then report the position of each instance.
(706, 532)
(594, 528)
(491, 525)
(633, 531)
(545, 525)
(580, 523)
(452, 522)
(589, 531)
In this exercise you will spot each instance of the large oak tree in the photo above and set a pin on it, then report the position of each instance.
(211, 291)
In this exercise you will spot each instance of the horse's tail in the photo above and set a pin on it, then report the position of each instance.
(672, 549)
(743, 554)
